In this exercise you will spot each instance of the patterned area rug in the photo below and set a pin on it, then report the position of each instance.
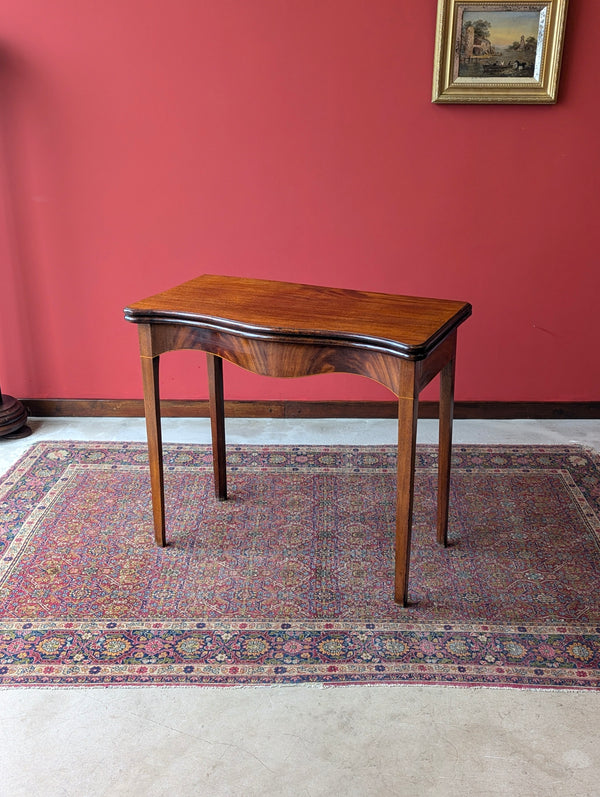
(291, 580)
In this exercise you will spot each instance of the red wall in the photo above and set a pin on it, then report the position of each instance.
(146, 142)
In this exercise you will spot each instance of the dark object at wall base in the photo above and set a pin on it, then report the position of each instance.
(13, 417)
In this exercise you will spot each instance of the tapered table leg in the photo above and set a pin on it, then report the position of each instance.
(150, 368)
(407, 438)
(445, 448)
(217, 423)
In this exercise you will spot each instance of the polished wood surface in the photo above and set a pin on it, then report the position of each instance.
(404, 325)
(290, 330)
(287, 408)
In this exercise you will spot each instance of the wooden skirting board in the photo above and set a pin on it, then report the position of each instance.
(485, 410)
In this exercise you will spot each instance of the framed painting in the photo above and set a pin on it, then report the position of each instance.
(498, 51)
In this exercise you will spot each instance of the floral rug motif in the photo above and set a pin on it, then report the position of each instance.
(291, 579)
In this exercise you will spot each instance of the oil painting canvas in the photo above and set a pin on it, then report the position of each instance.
(500, 44)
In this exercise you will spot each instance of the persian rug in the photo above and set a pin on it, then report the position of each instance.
(291, 579)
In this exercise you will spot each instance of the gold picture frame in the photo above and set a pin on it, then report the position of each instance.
(498, 51)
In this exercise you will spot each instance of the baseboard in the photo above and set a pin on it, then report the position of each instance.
(483, 410)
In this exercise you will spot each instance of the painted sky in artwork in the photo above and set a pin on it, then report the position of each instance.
(507, 26)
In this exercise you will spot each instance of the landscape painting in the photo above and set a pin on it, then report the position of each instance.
(498, 51)
(500, 44)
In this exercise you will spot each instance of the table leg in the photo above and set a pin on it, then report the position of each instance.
(217, 423)
(407, 438)
(153, 430)
(445, 448)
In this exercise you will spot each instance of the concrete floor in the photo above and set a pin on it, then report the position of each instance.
(297, 740)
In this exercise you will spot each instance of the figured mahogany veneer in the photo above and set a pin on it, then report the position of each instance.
(290, 330)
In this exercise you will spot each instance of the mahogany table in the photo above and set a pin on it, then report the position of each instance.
(290, 330)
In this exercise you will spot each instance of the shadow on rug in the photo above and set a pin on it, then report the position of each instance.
(291, 580)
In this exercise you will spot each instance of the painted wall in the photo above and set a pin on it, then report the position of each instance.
(146, 142)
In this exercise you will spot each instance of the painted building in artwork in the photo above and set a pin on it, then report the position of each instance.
(473, 48)
(469, 42)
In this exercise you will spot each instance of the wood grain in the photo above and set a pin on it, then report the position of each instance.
(406, 326)
(284, 408)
